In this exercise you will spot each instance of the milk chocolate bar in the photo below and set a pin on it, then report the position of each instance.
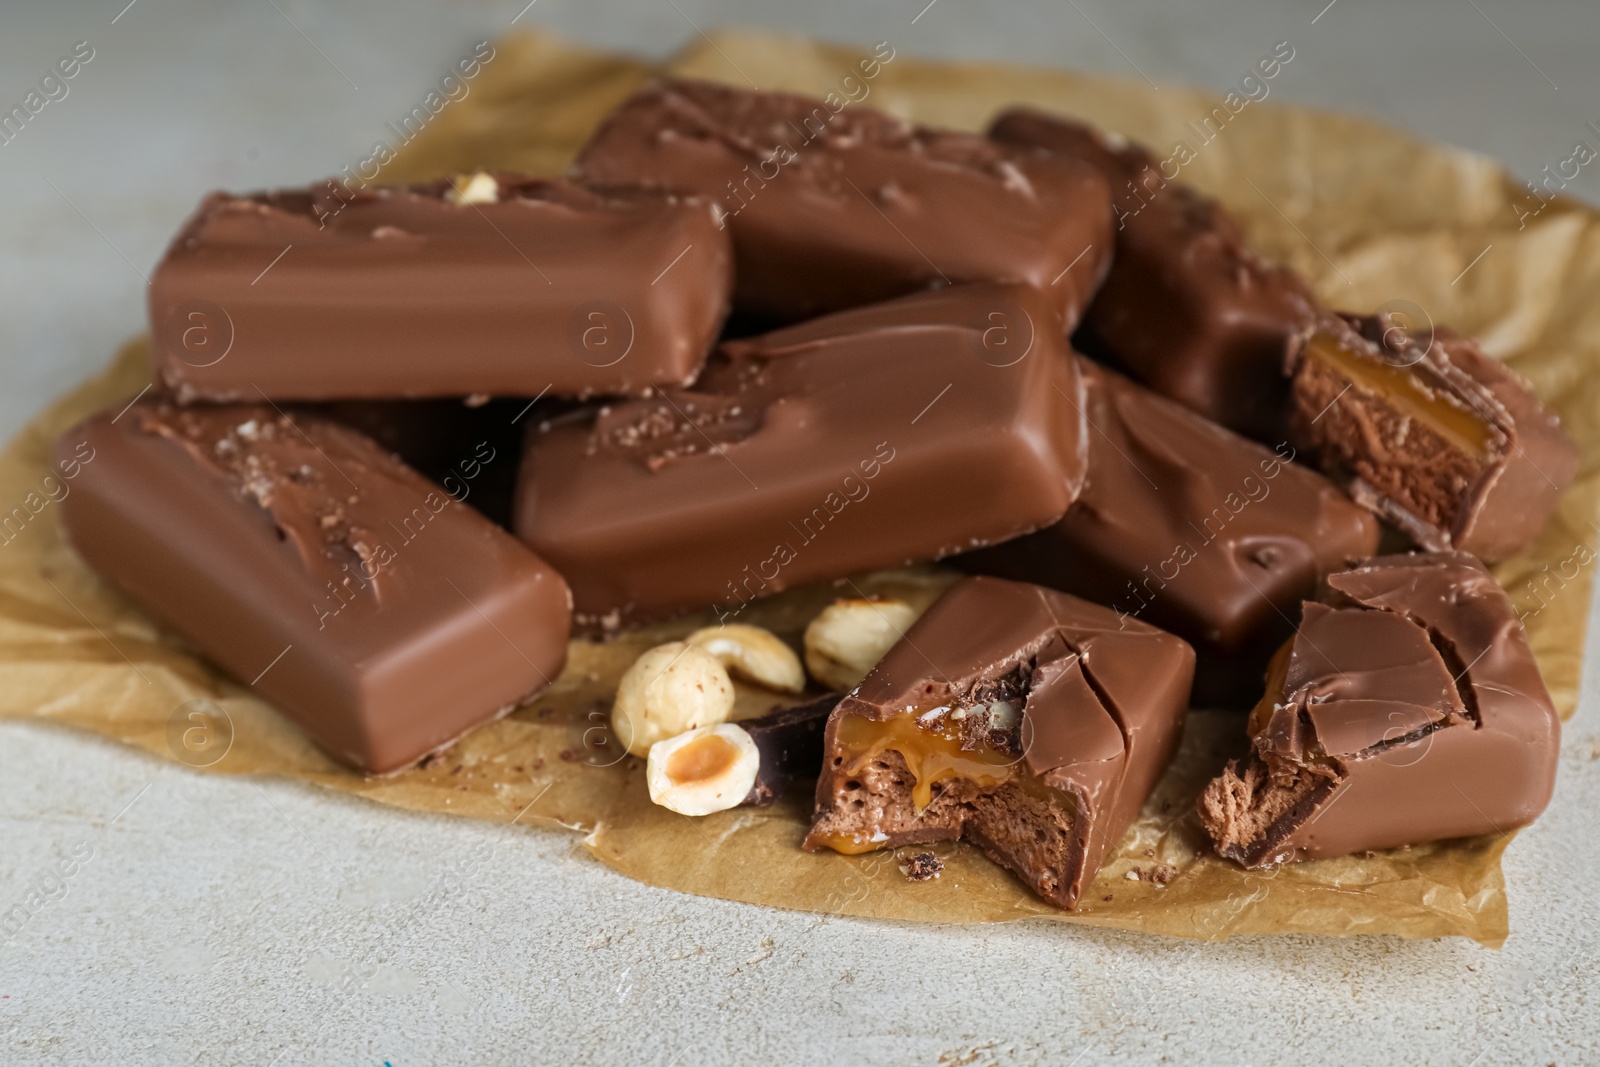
(1408, 708)
(381, 615)
(904, 431)
(1187, 308)
(1190, 527)
(1026, 721)
(1448, 444)
(833, 205)
(496, 286)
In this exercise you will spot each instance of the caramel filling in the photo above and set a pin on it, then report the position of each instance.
(933, 753)
(702, 759)
(1461, 429)
(1277, 674)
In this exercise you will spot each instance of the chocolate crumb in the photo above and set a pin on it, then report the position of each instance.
(922, 867)
(1108, 896)
(1161, 875)
(573, 755)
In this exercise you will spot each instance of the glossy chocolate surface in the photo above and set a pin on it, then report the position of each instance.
(1041, 720)
(1450, 445)
(1187, 307)
(327, 293)
(381, 615)
(1194, 529)
(834, 205)
(903, 431)
(1408, 708)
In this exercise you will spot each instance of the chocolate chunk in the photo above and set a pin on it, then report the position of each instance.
(923, 866)
(381, 615)
(899, 432)
(1408, 708)
(1190, 527)
(832, 206)
(1026, 721)
(329, 293)
(1446, 443)
(790, 743)
(1188, 308)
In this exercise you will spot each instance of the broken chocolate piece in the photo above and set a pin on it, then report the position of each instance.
(900, 432)
(832, 206)
(380, 614)
(1407, 708)
(1026, 721)
(331, 293)
(1187, 307)
(790, 743)
(1431, 434)
(923, 866)
(1191, 528)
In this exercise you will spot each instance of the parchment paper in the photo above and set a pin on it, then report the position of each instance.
(1371, 215)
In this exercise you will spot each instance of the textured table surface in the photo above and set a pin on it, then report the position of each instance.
(232, 921)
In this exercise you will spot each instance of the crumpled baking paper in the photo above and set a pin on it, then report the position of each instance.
(1372, 216)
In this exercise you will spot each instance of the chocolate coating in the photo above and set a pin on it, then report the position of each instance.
(378, 613)
(1187, 307)
(900, 432)
(398, 292)
(1482, 475)
(1047, 795)
(833, 208)
(1194, 529)
(1408, 708)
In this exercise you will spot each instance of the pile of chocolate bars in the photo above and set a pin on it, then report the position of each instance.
(405, 439)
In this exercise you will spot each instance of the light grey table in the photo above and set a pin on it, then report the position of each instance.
(232, 921)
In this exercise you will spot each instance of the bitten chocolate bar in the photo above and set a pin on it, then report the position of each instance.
(381, 615)
(833, 207)
(904, 431)
(1187, 308)
(1190, 527)
(1431, 434)
(1028, 722)
(496, 286)
(1407, 708)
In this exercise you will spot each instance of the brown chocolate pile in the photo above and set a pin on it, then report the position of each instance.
(361, 388)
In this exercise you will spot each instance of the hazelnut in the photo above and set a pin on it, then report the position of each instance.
(480, 188)
(707, 769)
(670, 689)
(849, 637)
(754, 654)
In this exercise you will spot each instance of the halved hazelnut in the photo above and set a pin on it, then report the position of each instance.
(848, 638)
(754, 654)
(705, 770)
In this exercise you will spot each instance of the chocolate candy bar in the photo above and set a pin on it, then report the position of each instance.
(790, 743)
(904, 431)
(1443, 441)
(832, 206)
(496, 286)
(1194, 529)
(1028, 722)
(1187, 308)
(381, 615)
(1407, 708)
